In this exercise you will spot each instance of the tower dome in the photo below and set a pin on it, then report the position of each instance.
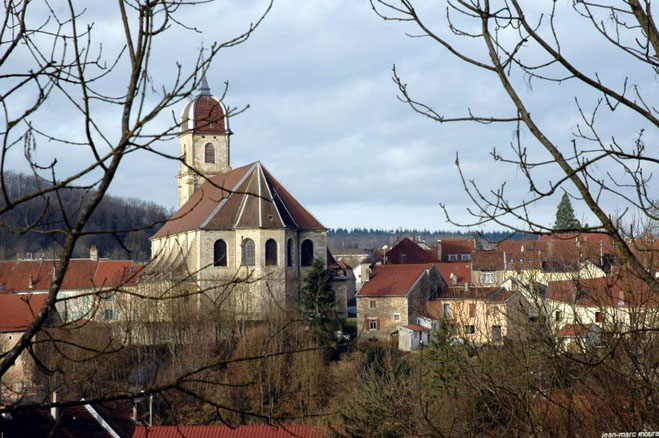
(205, 113)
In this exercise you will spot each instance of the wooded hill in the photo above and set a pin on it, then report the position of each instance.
(356, 240)
(120, 227)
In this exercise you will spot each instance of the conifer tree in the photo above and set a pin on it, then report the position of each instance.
(565, 218)
(318, 296)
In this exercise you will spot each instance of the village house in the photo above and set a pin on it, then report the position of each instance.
(620, 301)
(394, 296)
(17, 312)
(539, 261)
(482, 315)
(87, 290)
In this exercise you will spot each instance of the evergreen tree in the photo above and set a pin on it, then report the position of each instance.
(565, 218)
(318, 297)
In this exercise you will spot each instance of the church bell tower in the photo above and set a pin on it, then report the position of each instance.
(204, 138)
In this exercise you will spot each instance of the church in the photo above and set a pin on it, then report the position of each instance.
(238, 233)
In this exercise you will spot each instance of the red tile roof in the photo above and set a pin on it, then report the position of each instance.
(460, 271)
(473, 293)
(574, 330)
(406, 251)
(18, 311)
(549, 255)
(213, 431)
(246, 197)
(416, 328)
(17, 276)
(455, 246)
(619, 289)
(393, 280)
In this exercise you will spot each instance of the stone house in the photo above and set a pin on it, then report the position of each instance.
(482, 315)
(17, 312)
(394, 296)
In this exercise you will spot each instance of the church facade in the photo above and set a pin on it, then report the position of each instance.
(238, 234)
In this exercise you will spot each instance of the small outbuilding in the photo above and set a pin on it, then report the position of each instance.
(412, 337)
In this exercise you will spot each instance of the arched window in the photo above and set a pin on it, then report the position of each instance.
(271, 252)
(289, 252)
(248, 252)
(219, 253)
(306, 253)
(209, 153)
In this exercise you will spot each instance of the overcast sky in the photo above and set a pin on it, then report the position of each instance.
(324, 117)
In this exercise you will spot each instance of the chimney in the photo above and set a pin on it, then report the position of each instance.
(505, 262)
(53, 274)
(30, 283)
(54, 411)
(366, 273)
(466, 286)
(439, 250)
(93, 253)
(454, 278)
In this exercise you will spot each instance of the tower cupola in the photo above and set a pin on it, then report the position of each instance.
(204, 137)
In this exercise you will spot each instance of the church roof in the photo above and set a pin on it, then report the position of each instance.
(246, 197)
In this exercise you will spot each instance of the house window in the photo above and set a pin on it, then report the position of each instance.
(487, 278)
(372, 304)
(598, 316)
(470, 329)
(109, 315)
(372, 324)
(248, 253)
(271, 252)
(306, 253)
(559, 316)
(209, 153)
(496, 333)
(465, 257)
(289, 252)
(452, 257)
(219, 253)
(396, 317)
(447, 310)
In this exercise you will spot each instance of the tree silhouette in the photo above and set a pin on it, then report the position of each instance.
(565, 219)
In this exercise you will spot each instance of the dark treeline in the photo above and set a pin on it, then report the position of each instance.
(30, 229)
(342, 240)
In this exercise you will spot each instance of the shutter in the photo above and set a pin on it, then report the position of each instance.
(377, 324)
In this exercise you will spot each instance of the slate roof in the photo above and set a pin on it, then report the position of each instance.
(393, 280)
(246, 197)
(73, 422)
(214, 431)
